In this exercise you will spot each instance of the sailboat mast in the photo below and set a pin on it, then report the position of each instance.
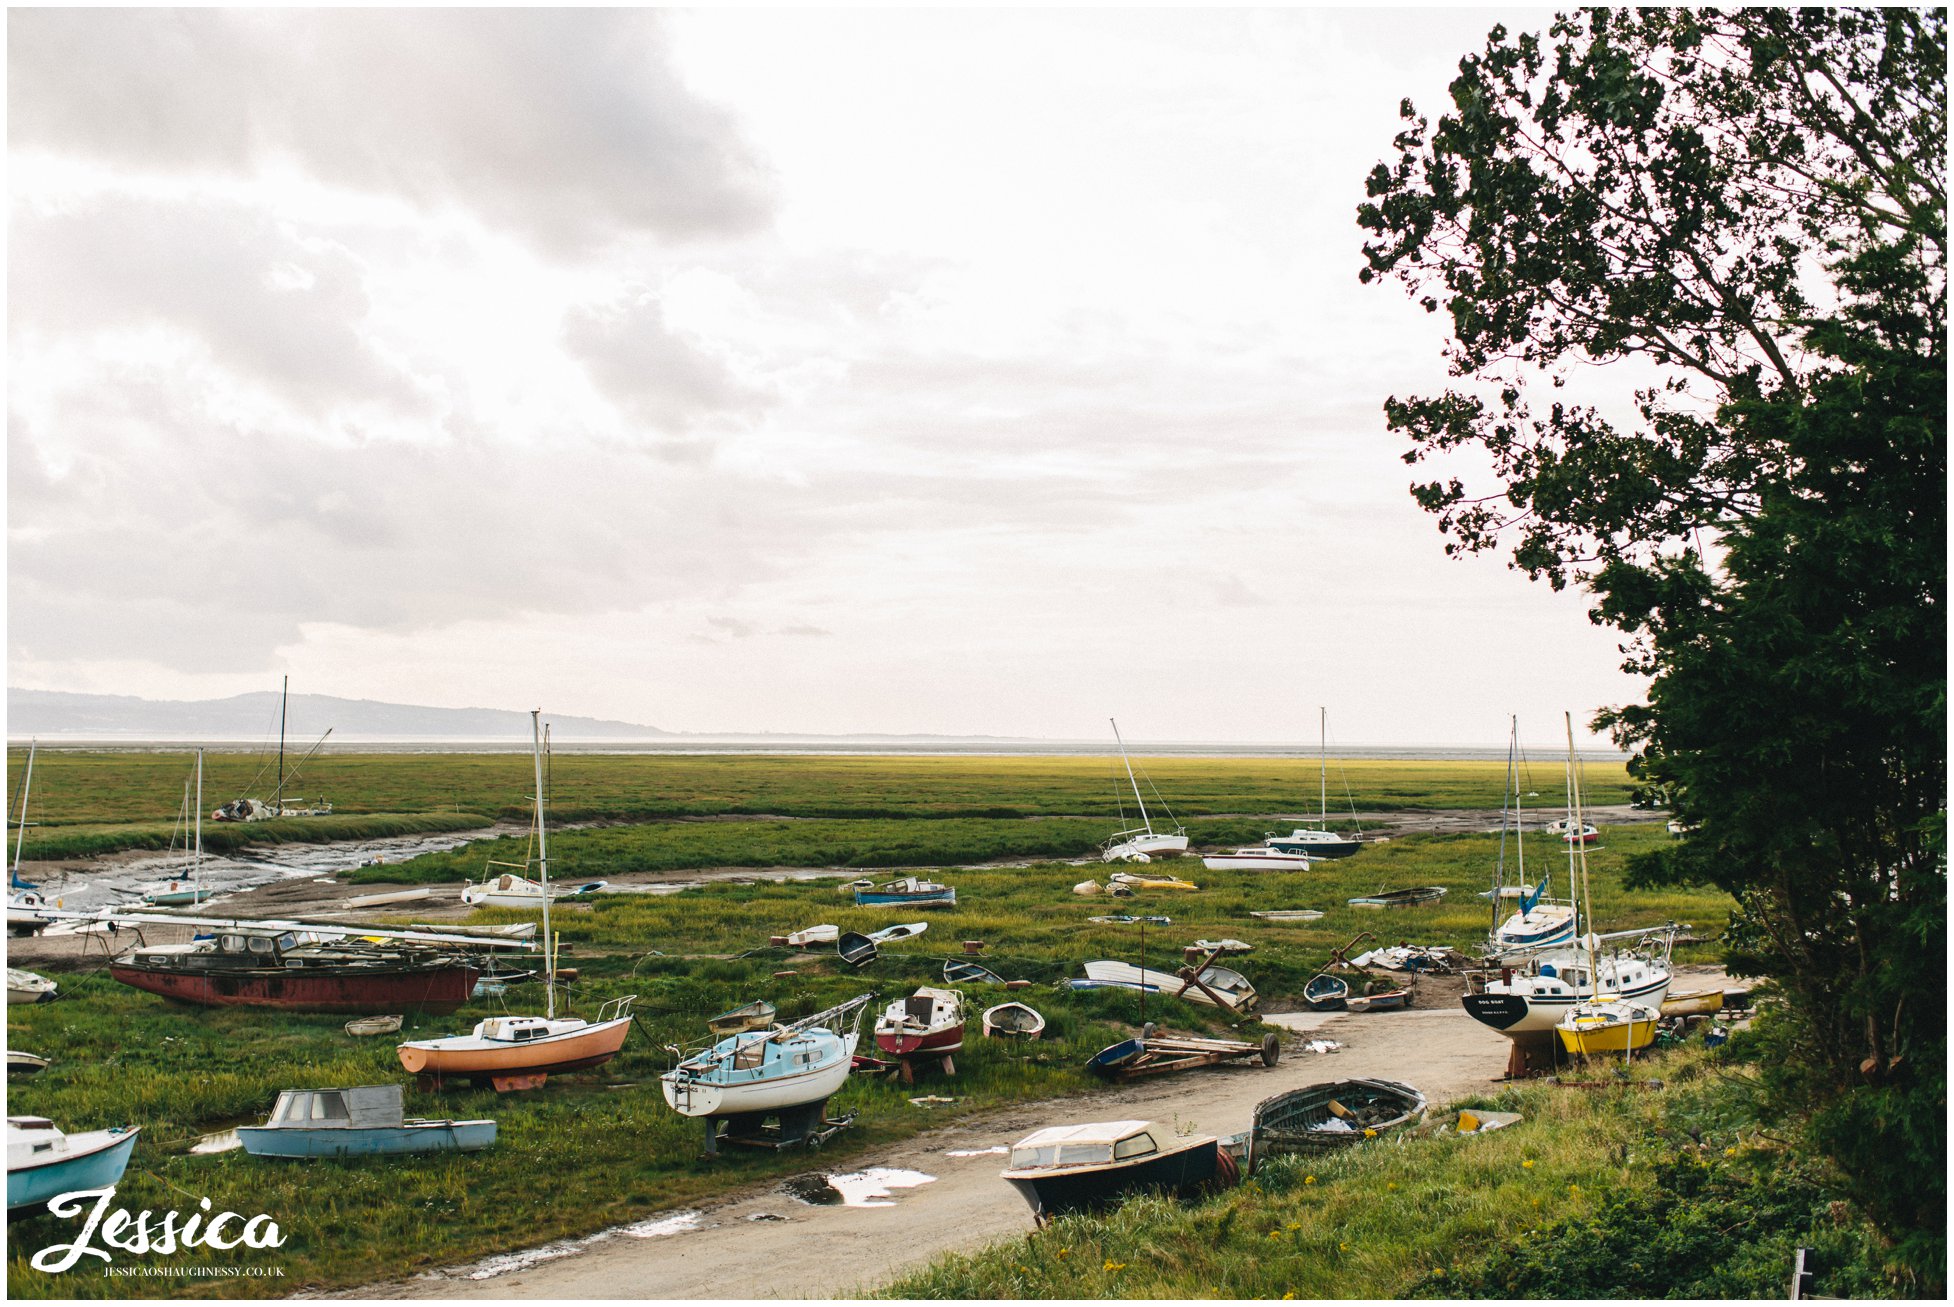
(1519, 804)
(283, 695)
(1587, 891)
(1144, 819)
(1323, 767)
(26, 784)
(543, 864)
(1507, 816)
(197, 864)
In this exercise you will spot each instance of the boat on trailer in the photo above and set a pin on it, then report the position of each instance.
(772, 1086)
(927, 1023)
(367, 1121)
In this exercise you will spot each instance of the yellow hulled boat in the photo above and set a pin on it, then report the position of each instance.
(1591, 1029)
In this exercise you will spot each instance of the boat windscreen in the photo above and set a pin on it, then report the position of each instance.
(1071, 1154)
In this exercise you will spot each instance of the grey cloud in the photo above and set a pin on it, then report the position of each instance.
(651, 374)
(569, 126)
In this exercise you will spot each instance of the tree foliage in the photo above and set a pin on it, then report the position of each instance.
(1752, 204)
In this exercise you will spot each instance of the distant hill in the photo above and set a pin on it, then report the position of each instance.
(254, 716)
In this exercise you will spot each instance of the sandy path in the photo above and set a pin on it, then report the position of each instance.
(839, 1251)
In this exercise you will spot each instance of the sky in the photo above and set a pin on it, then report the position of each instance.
(960, 372)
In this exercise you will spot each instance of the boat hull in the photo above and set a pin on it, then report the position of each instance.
(1331, 848)
(436, 991)
(467, 1055)
(877, 899)
(947, 1040)
(1279, 860)
(1608, 1036)
(706, 1096)
(1516, 1014)
(1184, 1171)
(94, 1160)
(369, 1141)
(1145, 848)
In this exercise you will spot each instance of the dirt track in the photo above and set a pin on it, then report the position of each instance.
(839, 1251)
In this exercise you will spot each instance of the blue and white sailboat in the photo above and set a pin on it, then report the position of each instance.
(43, 1163)
(1540, 922)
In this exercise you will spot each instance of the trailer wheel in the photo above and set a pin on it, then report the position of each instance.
(1271, 1049)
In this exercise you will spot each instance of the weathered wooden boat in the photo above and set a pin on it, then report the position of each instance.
(857, 950)
(1384, 1002)
(787, 1073)
(1095, 1166)
(1400, 898)
(383, 1025)
(1154, 1055)
(1013, 1021)
(1133, 882)
(956, 971)
(1326, 993)
(1704, 1002)
(1219, 946)
(239, 968)
(1289, 914)
(1256, 857)
(27, 987)
(516, 1052)
(43, 1163)
(890, 934)
(1597, 1029)
(908, 892)
(367, 1121)
(24, 1064)
(1219, 986)
(757, 1015)
(1334, 1114)
(927, 1023)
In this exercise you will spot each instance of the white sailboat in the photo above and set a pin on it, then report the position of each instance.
(1318, 841)
(179, 895)
(1141, 843)
(518, 1052)
(1539, 922)
(514, 888)
(25, 903)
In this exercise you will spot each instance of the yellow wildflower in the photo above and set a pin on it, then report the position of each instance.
(1063, 1251)
(1527, 1165)
(1369, 1133)
(1730, 1152)
(1112, 1265)
(1392, 1185)
(1309, 1179)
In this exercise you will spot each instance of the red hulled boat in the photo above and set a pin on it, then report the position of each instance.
(929, 1022)
(276, 970)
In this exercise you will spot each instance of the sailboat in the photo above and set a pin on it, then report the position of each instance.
(177, 896)
(1538, 922)
(1142, 843)
(25, 903)
(255, 810)
(1318, 841)
(514, 889)
(519, 1052)
(788, 1073)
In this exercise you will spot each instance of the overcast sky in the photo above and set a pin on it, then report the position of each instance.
(958, 372)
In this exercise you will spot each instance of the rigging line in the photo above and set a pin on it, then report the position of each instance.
(1349, 797)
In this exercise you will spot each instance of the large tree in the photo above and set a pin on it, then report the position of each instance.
(1752, 205)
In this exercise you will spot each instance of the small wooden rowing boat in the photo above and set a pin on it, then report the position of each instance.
(890, 934)
(1289, 914)
(1013, 1021)
(1390, 998)
(958, 972)
(1133, 882)
(1326, 993)
(1400, 898)
(855, 949)
(1707, 1002)
(1090, 1167)
(1593, 1029)
(1335, 1114)
(383, 1025)
(753, 1016)
(813, 937)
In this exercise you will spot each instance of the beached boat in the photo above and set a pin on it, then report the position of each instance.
(926, 1023)
(413, 895)
(1326, 993)
(1595, 1029)
(857, 950)
(24, 1064)
(1319, 841)
(799, 1064)
(367, 1121)
(1702, 1002)
(1335, 1114)
(1540, 921)
(812, 937)
(27, 987)
(26, 912)
(511, 890)
(1219, 987)
(1574, 832)
(753, 1016)
(1091, 1167)
(178, 894)
(1400, 898)
(1141, 843)
(243, 809)
(381, 1025)
(1384, 1002)
(1128, 919)
(43, 1163)
(274, 968)
(25, 903)
(1013, 1021)
(890, 934)
(1289, 914)
(908, 892)
(957, 971)
(1134, 882)
(520, 1052)
(1256, 857)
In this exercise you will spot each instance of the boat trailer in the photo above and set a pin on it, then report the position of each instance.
(807, 1125)
(1157, 1056)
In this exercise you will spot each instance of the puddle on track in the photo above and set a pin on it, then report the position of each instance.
(872, 1187)
(506, 1263)
(977, 1152)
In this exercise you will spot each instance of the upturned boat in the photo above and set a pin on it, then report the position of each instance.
(1289, 914)
(1013, 1021)
(367, 1121)
(812, 937)
(43, 1163)
(24, 1064)
(908, 892)
(1335, 1114)
(1091, 1167)
(1141, 843)
(1703, 1002)
(1256, 857)
(928, 1022)
(239, 968)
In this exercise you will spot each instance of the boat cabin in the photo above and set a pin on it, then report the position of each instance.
(515, 1030)
(1100, 1143)
(363, 1108)
(29, 1137)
